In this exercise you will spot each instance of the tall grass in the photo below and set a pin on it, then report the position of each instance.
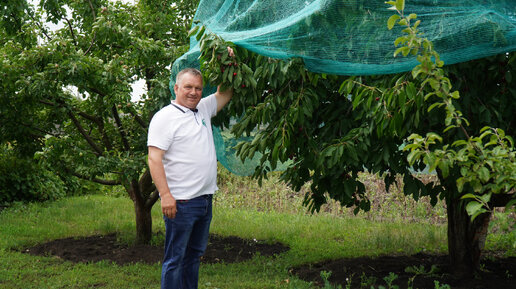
(274, 195)
(387, 207)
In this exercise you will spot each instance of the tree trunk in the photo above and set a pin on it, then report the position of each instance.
(144, 195)
(466, 239)
(143, 223)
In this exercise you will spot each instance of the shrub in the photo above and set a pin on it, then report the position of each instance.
(23, 179)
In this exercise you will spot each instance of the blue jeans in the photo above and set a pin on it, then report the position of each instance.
(186, 239)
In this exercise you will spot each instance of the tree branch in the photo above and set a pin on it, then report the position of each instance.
(105, 137)
(136, 190)
(147, 187)
(93, 89)
(40, 27)
(121, 130)
(139, 120)
(94, 33)
(98, 120)
(152, 199)
(71, 31)
(87, 137)
(89, 117)
(43, 132)
(97, 180)
(46, 102)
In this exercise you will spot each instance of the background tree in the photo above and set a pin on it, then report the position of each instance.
(330, 128)
(66, 92)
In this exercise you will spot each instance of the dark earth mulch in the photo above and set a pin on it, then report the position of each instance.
(97, 248)
(499, 273)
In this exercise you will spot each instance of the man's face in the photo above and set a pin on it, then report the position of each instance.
(188, 90)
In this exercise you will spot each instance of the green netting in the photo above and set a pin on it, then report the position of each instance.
(350, 37)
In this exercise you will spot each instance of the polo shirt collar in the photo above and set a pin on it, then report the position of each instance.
(183, 109)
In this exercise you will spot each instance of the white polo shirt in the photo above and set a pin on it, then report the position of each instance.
(190, 159)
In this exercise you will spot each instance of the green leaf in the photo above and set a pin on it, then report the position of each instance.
(460, 184)
(352, 152)
(193, 31)
(399, 40)
(392, 21)
(477, 186)
(342, 86)
(473, 207)
(413, 156)
(437, 104)
(403, 50)
(483, 174)
(485, 198)
(449, 127)
(455, 94)
(238, 79)
(416, 71)
(400, 5)
(469, 196)
(356, 101)
(479, 212)
(258, 72)
(443, 166)
(275, 152)
(201, 33)
(253, 82)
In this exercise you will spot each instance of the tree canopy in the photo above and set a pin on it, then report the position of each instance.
(66, 92)
(329, 128)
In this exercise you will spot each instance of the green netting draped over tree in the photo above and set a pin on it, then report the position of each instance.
(350, 37)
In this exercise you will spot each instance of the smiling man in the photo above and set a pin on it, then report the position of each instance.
(183, 165)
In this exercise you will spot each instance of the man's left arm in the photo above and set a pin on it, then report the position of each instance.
(223, 97)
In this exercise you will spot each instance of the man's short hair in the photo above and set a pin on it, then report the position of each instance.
(192, 71)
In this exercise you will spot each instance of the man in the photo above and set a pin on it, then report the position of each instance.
(183, 165)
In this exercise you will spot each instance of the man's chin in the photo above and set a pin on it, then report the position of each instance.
(192, 105)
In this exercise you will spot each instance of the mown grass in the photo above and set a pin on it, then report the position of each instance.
(242, 208)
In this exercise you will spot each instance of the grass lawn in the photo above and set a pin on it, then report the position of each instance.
(241, 209)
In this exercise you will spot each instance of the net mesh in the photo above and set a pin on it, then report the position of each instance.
(349, 37)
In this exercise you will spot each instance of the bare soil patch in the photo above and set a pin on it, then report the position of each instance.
(497, 272)
(105, 247)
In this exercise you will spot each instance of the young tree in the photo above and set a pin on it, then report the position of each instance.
(66, 92)
(329, 128)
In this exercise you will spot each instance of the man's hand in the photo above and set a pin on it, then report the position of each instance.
(168, 206)
(231, 53)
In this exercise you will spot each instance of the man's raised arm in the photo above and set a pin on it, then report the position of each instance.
(223, 97)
